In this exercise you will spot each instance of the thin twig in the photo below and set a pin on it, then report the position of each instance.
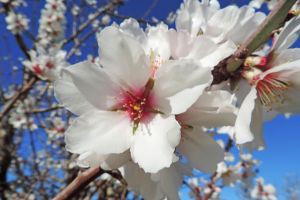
(109, 6)
(24, 90)
(81, 181)
(55, 107)
(151, 7)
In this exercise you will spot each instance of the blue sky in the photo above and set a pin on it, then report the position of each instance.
(282, 135)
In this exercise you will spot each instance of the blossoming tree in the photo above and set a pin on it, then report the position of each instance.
(153, 103)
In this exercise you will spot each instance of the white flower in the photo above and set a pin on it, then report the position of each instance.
(16, 23)
(273, 84)
(14, 3)
(201, 48)
(161, 43)
(59, 125)
(46, 64)
(263, 192)
(17, 118)
(130, 103)
(206, 17)
(229, 174)
(75, 10)
(52, 23)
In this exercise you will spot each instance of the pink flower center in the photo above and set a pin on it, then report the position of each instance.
(49, 65)
(138, 104)
(36, 68)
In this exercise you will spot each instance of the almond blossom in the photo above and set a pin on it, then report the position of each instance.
(273, 84)
(16, 23)
(133, 95)
(161, 43)
(199, 149)
(52, 23)
(262, 191)
(46, 64)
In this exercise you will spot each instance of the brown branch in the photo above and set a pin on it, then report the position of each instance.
(18, 37)
(84, 178)
(213, 177)
(81, 181)
(224, 70)
(273, 21)
(21, 93)
(55, 107)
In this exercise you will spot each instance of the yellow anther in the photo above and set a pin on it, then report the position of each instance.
(136, 107)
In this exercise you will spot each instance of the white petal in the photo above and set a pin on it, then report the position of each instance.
(170, 181)
(70, 97)
(90, 159)
(288, 35)
(181, 43)
(155, 142)
(102, 132)
(245, 118)
(228, 16)
(222, 51)
(248, 21)
(201, 150)
(285, 56)
(285, 70)
(291, 102)
(141, 182)
(257, 129)
(158, 41)
(132, 27)
(114, 161)
(123, 57)
(212, 109)
(194, 15)
(237, 24)
(288, 72)
(179, 84)
(94, 84)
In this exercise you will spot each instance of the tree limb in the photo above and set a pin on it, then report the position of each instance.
(223, 71)
(81, 181)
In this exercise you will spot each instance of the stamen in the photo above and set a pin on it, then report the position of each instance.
(138, 104)
(271, 89)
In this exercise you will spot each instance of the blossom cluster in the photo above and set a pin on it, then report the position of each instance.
(46, 64)
(52, 23)
(16, 22)
(145, 106)
(148, 104)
